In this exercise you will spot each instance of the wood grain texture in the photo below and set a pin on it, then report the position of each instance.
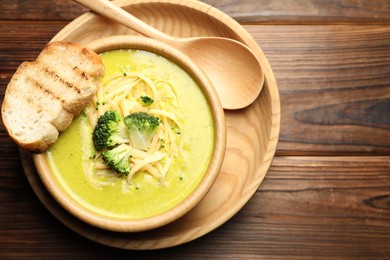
(310, 205)
(307, 206)
(341, 72)
(304, 12)
(321, 206)
(23, 41)
(43, 10)
(250, 11)
(335, 87)
(329, 202)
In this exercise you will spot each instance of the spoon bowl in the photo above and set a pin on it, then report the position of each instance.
(232, 77)
(230, 65)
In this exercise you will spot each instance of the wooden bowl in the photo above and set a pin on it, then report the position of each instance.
(134, 225)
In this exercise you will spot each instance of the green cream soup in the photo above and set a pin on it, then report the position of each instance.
(145, 196)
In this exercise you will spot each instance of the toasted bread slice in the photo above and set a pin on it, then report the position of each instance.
(75, 77)
(43, 96)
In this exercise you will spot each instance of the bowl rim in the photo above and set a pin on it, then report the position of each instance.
(125, 225)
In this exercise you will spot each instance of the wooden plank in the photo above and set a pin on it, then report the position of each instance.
(23, 41)
(332, 206)
(309, 206)
(305, 12)
(43, 10)
(264, 11)
(334, 84)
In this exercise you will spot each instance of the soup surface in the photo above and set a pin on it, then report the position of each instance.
(145, 196)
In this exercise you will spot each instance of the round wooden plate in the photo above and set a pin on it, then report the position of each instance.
(252, 133)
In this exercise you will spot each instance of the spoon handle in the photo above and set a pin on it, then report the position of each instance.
(117, 14)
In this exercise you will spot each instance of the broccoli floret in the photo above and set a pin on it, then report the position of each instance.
(118, 158)
(142, 127)
(109, 131)
(146, 100)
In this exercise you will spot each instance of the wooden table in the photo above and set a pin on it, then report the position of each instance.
(327, 193)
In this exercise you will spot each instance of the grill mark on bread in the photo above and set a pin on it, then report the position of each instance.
(62, 80)
(36, 84)
(78, 71)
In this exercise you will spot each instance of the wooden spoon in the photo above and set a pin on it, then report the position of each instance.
(231, 66)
